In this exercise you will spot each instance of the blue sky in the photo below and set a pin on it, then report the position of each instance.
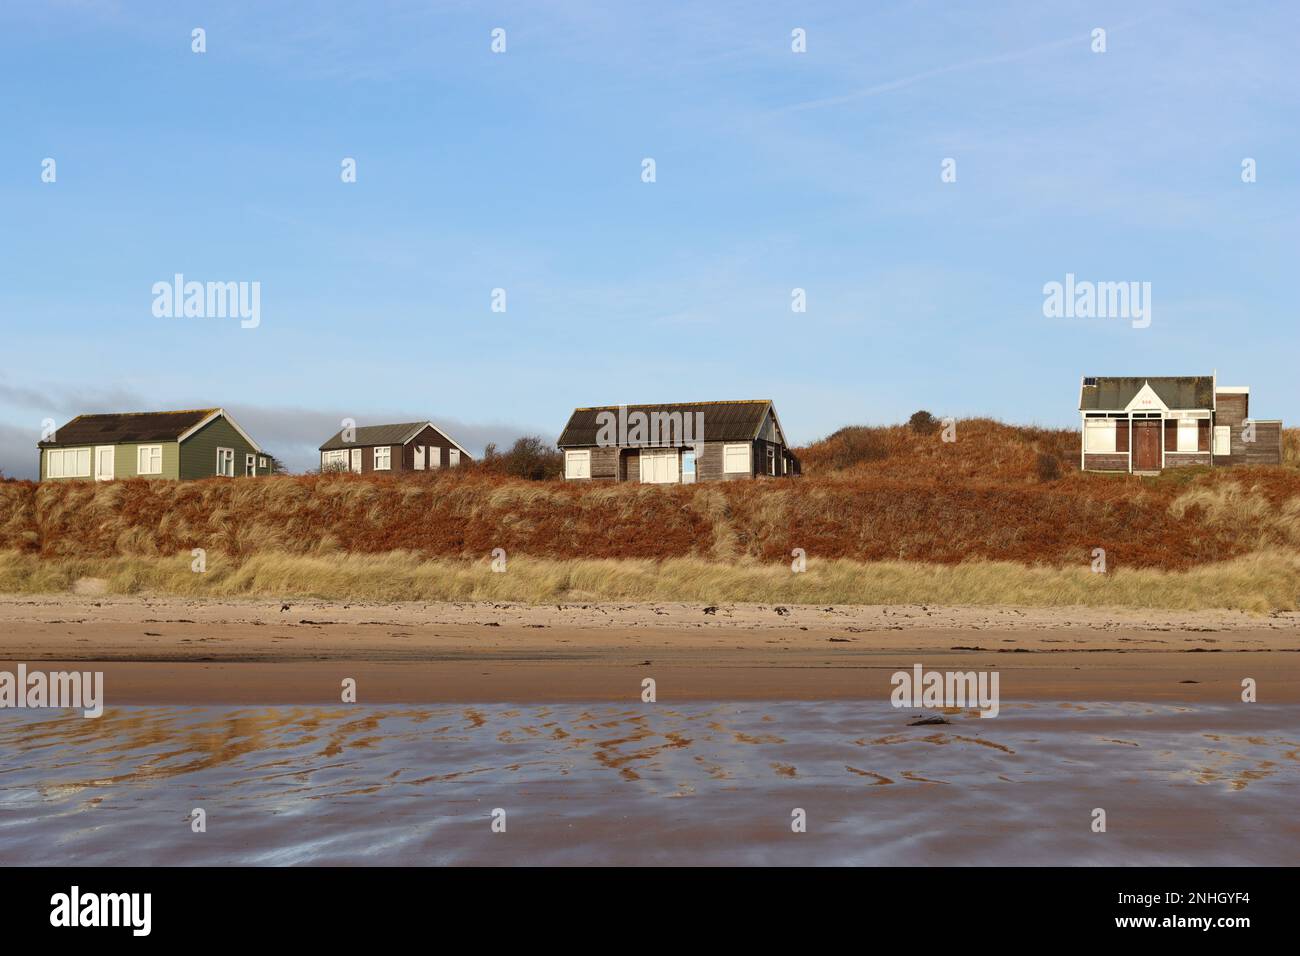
(522, 171)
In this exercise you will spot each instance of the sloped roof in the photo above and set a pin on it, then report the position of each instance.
(118, 427)
(723, 421)
(367, 435)
(1113, 393)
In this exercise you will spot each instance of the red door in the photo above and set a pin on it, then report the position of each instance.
(1146, 446)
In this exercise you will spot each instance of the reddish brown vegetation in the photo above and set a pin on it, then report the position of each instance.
(998, 492)
(946, 517)
(985, 450)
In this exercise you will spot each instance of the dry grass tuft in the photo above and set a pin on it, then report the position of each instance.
(1259, 583)
(1291, 447)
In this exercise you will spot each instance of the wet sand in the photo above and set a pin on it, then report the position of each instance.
(258, 652)
(696, 783)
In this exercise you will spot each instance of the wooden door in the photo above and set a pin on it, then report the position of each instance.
(1146, 446)
(659, 466)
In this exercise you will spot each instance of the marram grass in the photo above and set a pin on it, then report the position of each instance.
(1260, 582)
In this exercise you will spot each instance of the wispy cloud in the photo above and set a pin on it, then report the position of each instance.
(902, 82)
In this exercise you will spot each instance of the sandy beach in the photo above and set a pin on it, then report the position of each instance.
(260, 652)
(234, 706)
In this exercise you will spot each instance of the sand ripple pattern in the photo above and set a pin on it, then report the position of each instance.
(650, 784)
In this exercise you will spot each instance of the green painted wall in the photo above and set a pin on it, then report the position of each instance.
(198, 453)
(126, 458)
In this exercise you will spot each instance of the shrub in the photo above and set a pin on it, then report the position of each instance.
(529, 457)
(1049, 467)
(923, 423)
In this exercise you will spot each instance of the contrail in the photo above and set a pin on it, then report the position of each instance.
(902, 82)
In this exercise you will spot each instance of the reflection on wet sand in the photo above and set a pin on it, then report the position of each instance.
(696, 783)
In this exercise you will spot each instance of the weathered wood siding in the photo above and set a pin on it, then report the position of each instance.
(1094, 461)
(1232, 411)
(629, 464)
(709, 464)
(604, 464)
(1181, 459)
(624, 464)
(1266, 449)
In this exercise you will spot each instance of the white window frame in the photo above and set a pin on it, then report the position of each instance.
(1099, 436)
(225, 462)
(98, 456)
(435, 456)
(1188, 434)
(418, 457)
(577, 463)
(261, 463)
(250, 466)
(154, 464)
(387, 458)
(771, 461)
(729, 453)
(1222, 444)
(453, 457)
(62, 469)
(334, 460)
